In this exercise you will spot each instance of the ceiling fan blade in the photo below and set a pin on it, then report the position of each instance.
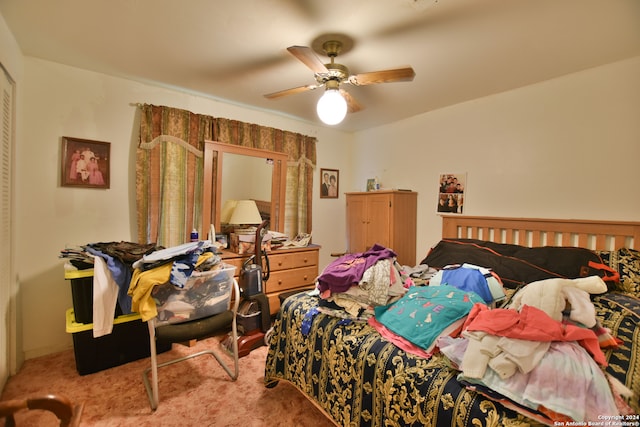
(291, 91)
(353, 106)
(386, 76)
(306, 56)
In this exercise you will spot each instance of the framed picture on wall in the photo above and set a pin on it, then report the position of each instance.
(85, 163)
(329, 182)
(451, 192)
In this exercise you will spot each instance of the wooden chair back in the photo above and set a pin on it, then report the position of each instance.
(68, 413)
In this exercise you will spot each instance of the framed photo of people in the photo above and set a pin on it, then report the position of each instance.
(85, 163)
(451, 190)
(329, 183)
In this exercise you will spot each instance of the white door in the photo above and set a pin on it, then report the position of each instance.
(7, 284)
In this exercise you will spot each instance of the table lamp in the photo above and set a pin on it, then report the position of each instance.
(245, 214)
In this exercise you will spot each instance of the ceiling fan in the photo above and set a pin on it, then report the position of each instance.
(334, 104)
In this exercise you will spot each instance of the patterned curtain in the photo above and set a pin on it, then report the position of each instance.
(169, 170)
(301, 152)
(169, 174)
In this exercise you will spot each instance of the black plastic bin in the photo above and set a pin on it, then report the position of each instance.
(129, 341)
(82, 295)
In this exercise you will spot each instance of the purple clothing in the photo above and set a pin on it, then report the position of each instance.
(347, 270)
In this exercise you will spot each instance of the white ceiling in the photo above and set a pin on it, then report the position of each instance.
(235, 50)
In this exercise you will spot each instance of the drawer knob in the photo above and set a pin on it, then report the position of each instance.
(279, 282)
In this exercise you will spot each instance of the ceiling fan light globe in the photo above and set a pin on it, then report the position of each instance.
(332, 107)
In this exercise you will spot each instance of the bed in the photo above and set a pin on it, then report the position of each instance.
(358, 378)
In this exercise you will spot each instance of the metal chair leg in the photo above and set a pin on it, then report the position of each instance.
(152, 386)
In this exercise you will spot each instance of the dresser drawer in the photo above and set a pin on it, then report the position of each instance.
(281, 262)
(290, 279)
(290, 260)
(291, 269)
(278, 261)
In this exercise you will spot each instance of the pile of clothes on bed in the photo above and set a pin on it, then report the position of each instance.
(543, 353)
(353, 284)
(539, 352)
(357, 283)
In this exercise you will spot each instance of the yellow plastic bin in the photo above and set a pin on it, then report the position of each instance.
(129, 341)
(82, 294)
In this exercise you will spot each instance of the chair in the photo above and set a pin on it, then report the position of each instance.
(192, 330)
(68, 413)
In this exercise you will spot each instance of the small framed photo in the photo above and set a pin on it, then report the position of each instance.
(371, 184)
(329, 182)
(85, 163)
(451, 192)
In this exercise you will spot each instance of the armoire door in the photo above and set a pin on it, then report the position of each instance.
(356, 224)
(378, 215)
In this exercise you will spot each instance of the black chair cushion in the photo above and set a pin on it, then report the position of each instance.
(195, 329)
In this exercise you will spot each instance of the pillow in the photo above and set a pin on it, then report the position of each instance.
(627, 263)
(517, 265)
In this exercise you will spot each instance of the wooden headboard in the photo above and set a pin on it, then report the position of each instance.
(532, 232)
(264, 206)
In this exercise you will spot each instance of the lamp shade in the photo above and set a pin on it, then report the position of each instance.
(245, 212)
(332, 107)
(227, 209)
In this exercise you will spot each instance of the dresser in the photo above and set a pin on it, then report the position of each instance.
(291, 269)
(386, 217)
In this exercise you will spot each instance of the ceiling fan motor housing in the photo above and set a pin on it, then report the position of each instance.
(336, 72)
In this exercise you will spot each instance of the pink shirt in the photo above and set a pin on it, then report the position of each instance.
(533, 324)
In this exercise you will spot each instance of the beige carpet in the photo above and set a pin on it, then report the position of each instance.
(196, 392)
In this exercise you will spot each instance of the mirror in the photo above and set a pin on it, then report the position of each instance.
(235, 172)
(255, 183)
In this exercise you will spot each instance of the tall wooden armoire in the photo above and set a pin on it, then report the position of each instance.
(386, 217)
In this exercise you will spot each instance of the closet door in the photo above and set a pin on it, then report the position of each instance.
(7, 285)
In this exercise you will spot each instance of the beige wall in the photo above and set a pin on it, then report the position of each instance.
(564, 148)
(544, 150)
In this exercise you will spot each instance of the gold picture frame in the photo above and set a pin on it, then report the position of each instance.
(85, 163)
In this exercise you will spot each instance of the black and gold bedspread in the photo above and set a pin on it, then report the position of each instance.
(360, 379)
(620, 313)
